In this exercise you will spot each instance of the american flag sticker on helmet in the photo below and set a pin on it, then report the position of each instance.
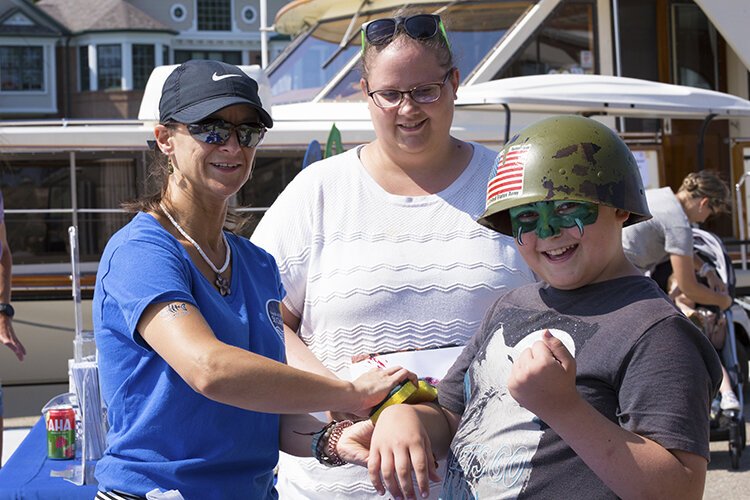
(508, 180)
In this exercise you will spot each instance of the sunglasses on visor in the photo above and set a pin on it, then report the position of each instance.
(419, 27)
(249, 135)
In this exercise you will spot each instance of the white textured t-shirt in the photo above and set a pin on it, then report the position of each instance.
(368, 271)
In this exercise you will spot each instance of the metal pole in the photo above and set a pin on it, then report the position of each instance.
(507, 122)
(76, 278)
(741, 219)
(74, 255)
(73, 187)
(618, 65)
(263, 34)
(702, 140)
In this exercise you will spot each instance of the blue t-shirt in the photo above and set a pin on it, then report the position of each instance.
(162, 433)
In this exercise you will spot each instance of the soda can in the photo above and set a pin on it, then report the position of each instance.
(60, 421)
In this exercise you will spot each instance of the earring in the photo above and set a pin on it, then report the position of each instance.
(170, 166)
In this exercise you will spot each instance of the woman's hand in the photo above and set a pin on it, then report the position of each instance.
(715, 283)
(372, 387)
(400, 445)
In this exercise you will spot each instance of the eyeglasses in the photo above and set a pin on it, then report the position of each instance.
(419, 27)
(422, 94)
(249, 135)
(716, 207)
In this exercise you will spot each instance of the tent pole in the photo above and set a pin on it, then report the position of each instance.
(702, 140)
(507, 122)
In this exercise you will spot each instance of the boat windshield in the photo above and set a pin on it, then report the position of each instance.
(302, 72)
(309, 65)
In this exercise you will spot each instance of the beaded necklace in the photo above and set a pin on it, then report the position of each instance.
(220, 282)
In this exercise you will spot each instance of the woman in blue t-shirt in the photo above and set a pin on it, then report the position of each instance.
(188, 320)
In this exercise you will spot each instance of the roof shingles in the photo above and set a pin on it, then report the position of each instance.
(100, 15)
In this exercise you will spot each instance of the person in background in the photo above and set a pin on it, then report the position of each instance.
(188, 322)
(667, 239)
(378, 247)
(663, 246)
(7, 334)
(591, 384)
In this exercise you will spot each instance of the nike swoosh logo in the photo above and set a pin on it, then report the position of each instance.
(216, 77)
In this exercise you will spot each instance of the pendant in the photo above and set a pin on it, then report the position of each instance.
(223, 285)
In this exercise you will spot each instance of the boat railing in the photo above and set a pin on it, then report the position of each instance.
(35, 286)
(65, 122)
(638, 138)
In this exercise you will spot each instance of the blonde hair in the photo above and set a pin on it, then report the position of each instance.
(708, 184)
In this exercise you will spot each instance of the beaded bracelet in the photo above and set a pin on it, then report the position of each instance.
(324, 443)
(319, 440)
(333, 439)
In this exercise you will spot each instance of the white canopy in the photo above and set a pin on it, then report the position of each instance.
(730, 18)
(590, 94)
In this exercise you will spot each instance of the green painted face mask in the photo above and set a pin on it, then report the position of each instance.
(548, 218)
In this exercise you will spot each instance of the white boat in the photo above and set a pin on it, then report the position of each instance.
(314, 85)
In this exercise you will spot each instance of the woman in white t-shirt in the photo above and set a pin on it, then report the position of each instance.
(378, 247)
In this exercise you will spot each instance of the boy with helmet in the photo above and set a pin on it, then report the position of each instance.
(590, 384)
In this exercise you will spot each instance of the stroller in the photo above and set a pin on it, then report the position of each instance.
(727, 425)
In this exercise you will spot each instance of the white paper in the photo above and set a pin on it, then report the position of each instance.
(157, 494)
(432, 363)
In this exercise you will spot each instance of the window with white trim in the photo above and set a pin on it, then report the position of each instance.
(144, 59)
(109, 66)
(178, 12)
(214, 15)
(21, 68)
(84, 75)
(249, 15)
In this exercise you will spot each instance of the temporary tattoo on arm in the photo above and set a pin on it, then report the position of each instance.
(174, 311)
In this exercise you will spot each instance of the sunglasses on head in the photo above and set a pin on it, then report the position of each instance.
(249, 135)
(419, 27)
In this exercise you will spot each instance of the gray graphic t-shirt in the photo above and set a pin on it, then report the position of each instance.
(639, 362)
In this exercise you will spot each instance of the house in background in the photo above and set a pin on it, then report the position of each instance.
(28, 54)
(90, 59)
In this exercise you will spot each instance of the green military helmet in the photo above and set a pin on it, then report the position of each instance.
(564, 158)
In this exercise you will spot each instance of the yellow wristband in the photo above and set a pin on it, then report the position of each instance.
(407, 393)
